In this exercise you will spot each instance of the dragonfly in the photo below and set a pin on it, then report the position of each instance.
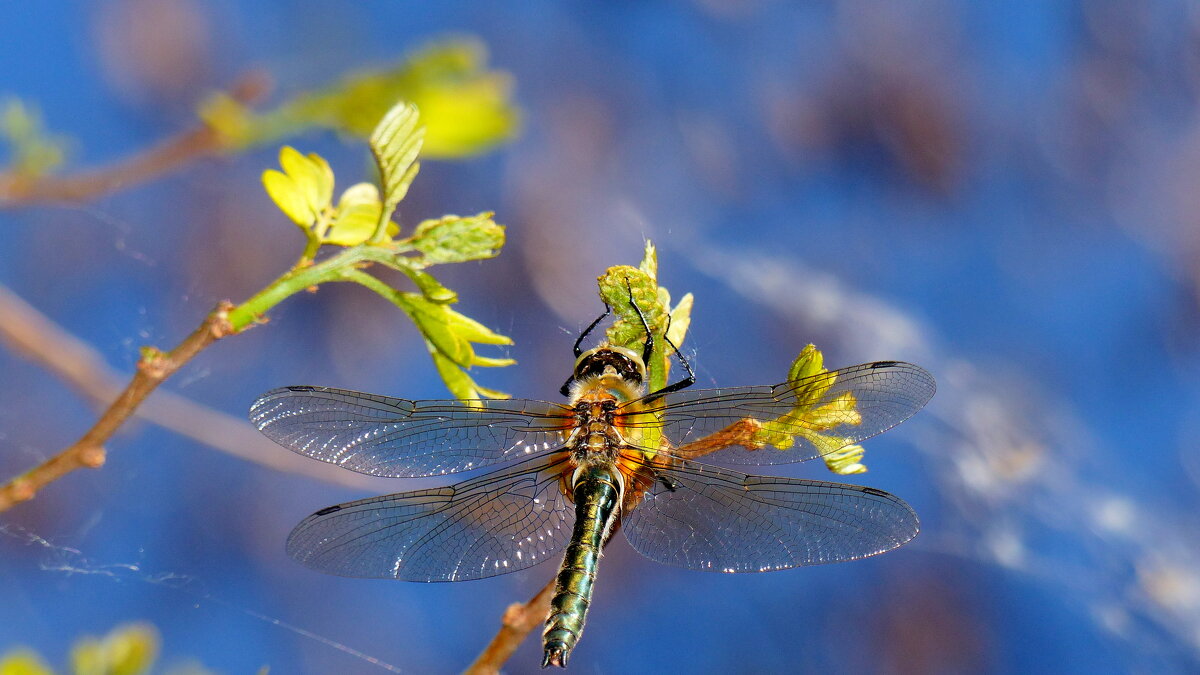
(614, 457)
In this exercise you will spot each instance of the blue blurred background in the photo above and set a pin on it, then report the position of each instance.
(1005, 193)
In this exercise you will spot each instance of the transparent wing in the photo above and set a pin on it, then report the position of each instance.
(394, 437)
(500, 522)
(885, 393)
(707, 518)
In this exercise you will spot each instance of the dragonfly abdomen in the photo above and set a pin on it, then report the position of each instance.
(597, 492)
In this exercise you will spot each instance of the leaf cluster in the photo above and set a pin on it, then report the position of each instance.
(813, 416)
(360, 225)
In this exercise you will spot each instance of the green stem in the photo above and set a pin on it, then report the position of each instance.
(387, 292)
(310, 247)
(295, 280)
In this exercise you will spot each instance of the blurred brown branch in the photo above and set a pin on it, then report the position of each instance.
(35, 336)
(518, 620)
(154, 367)
(199, 142)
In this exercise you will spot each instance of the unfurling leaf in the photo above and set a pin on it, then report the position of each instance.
(431, 288)
(847, 460)
(617, 286)
(449, 336)
(451, 239)
(304, 189)
(395, 143)
(458, 382)
(358, 213)
(681, 320)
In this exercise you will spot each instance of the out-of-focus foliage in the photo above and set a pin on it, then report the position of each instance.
(22, 661)
(361, 225)
(32, 151)
(466, 108)
(129, 649)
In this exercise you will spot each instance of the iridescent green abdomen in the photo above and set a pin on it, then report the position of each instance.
(597, 496)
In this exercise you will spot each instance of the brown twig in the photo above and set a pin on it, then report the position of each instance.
(32, 334)
(196, 143)
(518, 620)
(154, 367)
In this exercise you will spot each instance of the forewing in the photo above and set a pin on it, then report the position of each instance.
(707, 518)
(500, 522)
(886, 393)
(394, 437)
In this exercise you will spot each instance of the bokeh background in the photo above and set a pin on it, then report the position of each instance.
(1005, 193)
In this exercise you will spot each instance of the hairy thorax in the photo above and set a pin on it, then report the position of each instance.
(595, 399)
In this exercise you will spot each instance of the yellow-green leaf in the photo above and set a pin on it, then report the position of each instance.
(450, 332)
(395, 143)
(451, 239)
(282, 190)
(358, 213)
(681, 320)
(649, 263)
(847, 460)
(430, 287)
(305, 187)
(458, 382)
(314, 178)
(469, 329)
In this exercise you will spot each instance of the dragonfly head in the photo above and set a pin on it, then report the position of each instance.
(610, 360)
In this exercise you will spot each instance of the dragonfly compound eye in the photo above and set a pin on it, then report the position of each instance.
(623, 362)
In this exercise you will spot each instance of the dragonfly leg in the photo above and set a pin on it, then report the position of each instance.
(649, 349)
(586, 331)
(668, 482)
(691, 376)
(566, 388)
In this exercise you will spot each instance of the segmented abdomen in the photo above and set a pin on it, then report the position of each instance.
(597, 496)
